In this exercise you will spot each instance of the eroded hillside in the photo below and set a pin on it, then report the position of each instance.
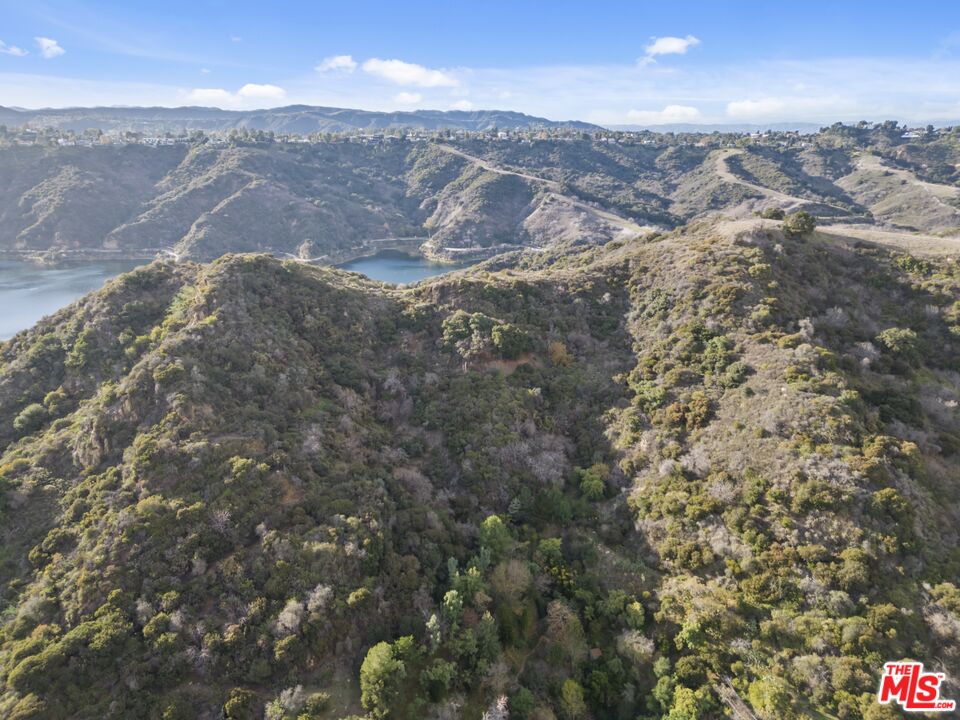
(456, 197)
(322, 201)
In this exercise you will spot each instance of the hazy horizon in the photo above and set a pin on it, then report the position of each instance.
(693, 126)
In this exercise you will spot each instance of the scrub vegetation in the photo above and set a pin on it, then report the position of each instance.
(706, 472)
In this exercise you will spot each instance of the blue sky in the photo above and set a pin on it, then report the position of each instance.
(606, 62)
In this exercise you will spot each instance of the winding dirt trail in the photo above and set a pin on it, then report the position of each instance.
(789, 202)
(723, 170)
(487, 165)
(555, 187)
(875, 163)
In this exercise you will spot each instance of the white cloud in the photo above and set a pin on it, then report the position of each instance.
(262, 92)
(404, 73)
(670, 114)
(11, 50)
(407, 98)
(337, 62)
(667, 46)
(671, 45)
(49, 47)
(250, 95)
(204, 71)
(462, 105)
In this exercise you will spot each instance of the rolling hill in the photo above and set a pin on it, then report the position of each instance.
(706, 473)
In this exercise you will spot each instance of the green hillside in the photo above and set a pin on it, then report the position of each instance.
(709, 472)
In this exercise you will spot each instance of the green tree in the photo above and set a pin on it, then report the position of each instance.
(899, 342)
(30, 418)
(510, 341)
(317, 703)
(799, 223)
(572, 705)
(495, 536)
(452, 608)
(381, 677)
(687, 704)
(771, 697)
(593, 481)
(437, 678)
(522, 703)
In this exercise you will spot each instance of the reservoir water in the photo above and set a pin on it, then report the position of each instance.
(397, 267)
(29, 291)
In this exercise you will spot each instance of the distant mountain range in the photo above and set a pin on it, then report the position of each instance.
(300, 119)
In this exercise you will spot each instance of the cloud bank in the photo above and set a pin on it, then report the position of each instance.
(669, 114)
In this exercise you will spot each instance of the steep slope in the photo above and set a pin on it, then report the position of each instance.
(329, 199)
(784, 181)
(74, 197)
(255, 198)
(715, 469)
(332, 198)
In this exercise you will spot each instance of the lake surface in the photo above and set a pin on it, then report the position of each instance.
(29, 291)
(397, 267)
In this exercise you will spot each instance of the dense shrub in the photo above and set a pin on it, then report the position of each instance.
(799, 223)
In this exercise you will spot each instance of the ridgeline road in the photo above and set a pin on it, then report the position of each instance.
(788, 202)
(556, 189)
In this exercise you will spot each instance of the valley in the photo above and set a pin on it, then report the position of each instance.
(459, 197)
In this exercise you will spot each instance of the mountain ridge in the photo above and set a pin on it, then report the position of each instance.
(707, 469)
